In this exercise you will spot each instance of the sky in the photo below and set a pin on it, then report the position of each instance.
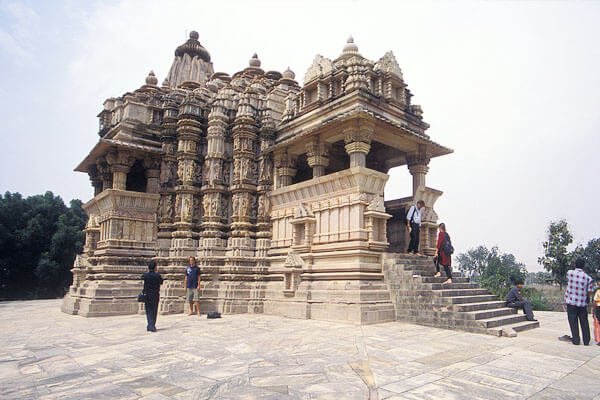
(512, 87)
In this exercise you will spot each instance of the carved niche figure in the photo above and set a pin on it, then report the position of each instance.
(244, 168)
(236, 170)
(165, 173)
(264, 206)
(214, 171)
(243, 206)
(178, 207)
(186, 213)
(181, 171)
(265, 169)
(226, 173)
(214, 205)
(235, 205)
(197, 173)
(206, 205)
(223, 211)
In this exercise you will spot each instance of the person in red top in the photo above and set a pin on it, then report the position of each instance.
(440, 255)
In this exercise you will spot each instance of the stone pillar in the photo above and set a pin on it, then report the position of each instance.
(96, 180)
(357, 137)
(120, 163)
(104, 174)
(152, 175)
(184, 242)
(265, 186)
(317, 156)
(418, 167)
(285, 166)
(244, 181)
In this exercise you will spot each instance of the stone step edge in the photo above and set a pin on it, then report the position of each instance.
(511, 330)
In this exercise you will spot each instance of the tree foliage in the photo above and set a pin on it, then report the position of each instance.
(494, 270)
(39, 238)
(556, 258)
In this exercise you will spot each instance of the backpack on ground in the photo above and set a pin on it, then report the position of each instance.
(213, 315)
(447, 245)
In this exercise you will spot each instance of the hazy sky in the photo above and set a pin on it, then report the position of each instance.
(512, 87)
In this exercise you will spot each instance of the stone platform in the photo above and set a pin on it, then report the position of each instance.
(46, 354)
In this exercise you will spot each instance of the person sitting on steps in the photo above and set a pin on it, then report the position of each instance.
(514, 299)
(441, 253)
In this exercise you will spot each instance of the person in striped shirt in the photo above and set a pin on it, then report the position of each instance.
(577, 294)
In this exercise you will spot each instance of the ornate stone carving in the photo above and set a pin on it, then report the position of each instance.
(321, 66)
(388, 64)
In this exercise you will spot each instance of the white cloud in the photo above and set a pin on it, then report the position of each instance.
(17, 38)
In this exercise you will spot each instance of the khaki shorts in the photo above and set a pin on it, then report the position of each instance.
(192, 294)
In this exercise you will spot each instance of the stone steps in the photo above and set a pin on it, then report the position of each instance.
(511, 330)
(468, 299)
(421, 298)
(485, 305)
(460, 292)
(441, 279)
(442, 286)
(489, 313)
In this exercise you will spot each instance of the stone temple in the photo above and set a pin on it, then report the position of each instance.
(275, 187)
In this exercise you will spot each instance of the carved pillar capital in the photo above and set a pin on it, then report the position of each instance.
(95, 179)
(120, 163)
(358, 141)
(417, 159)
(418, 167)
(104, 173)
(317, 157)
(285, 165)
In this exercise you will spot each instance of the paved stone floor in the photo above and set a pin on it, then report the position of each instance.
(45, 354)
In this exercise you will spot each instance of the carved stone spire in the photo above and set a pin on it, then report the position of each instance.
(191, 63)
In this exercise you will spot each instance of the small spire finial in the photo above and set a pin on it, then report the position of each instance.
(254, 61)
(350, 47)
(151, 79)
(288, 74)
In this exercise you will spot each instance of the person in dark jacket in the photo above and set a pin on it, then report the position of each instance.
(514, 299)
(152, 281)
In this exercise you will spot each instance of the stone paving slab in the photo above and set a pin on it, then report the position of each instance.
(45, 354)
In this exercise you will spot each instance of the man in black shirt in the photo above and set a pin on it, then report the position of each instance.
(152, 281)
(515, 299)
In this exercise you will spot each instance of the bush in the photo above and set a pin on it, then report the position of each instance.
(537, 298)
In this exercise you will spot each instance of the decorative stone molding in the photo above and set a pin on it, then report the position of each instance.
(291, 278)
(375, 223)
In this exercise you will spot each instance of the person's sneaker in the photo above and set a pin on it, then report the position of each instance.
(564, 338)
(535, 320)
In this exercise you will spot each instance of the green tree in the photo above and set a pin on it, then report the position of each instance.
(494, 270)
(39, 238)
(556, 258)
(591, 253)
(540, 278)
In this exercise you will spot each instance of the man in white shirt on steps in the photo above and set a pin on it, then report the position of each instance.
(413, 224)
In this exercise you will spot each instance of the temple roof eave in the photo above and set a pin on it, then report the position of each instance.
(105, 145)
(399, 129)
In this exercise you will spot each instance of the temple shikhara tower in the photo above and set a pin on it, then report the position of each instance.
(275, 187)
